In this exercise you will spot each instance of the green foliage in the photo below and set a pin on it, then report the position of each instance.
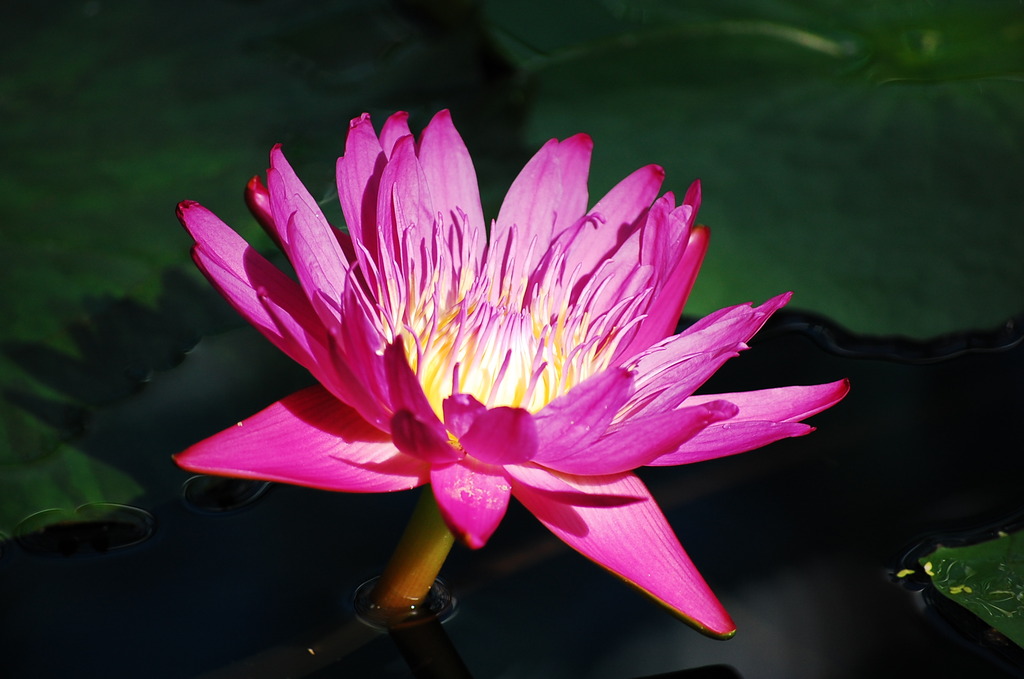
(865, 154)
(986, 578)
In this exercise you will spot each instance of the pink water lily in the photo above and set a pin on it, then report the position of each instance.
(539, 363)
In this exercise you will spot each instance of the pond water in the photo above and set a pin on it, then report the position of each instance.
(799, 540)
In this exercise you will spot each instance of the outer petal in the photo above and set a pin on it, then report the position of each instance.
(764, 417)
(241, 274)
(309, 439)
(633, 541)
(637, 441)
(473, 497)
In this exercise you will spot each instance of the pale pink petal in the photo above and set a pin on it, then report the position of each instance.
(573, 421)
(473, 497)
(764, 417)
(309, 439)
(637, 441)
(548, 196)
(501, 435)
(451, 177)
(611, 221)
(633, 541)
(358, 174)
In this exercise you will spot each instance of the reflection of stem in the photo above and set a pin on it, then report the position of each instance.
(417, 560)
(427, 649)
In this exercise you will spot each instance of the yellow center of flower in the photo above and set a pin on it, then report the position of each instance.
(519, 346)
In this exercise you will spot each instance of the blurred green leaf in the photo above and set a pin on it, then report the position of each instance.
(865, 155)
(986, 578)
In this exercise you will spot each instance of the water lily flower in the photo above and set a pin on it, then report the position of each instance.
(537, 363)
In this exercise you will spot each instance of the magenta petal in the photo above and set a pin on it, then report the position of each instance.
(548, 196)
(358, 175)
(310, 439)
(406, 392)
(460, 410)
(473, 497)
(241, 274)
(420, 440)
(637, 441)
(674, 368)
(634, 541)
(764, 417)
(501, 436)
(394, 128)
(451, 177)
(576, 419)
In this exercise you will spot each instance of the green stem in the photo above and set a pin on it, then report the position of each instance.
(417, 560)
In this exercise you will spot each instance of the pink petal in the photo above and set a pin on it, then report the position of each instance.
(637, 441)
(406, 392)
(501, 435)
(671, 370)
(451, 177)
(420, 440)
(394, 128)
(309, 439)
(472, 497)
(404, 201)
(634, 541)
(548, 196)
(666, 306)
(460, 410)
(764, 417)
(574, 420)
(239, 273)
(613, 219)
(358, 175)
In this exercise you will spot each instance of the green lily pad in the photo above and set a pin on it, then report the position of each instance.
(865, 155)
(986, 578)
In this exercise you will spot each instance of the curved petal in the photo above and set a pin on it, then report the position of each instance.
(764, 417)
(472, 497)
(309, 439)
(637, 441)
(634, 541)
(613, 218)
(671, 293)
(501, 435)
(404, 202)
(548, 196)
(574, 420)
(672, 370)
(242, 275)
(450, 174)
(358, 176)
